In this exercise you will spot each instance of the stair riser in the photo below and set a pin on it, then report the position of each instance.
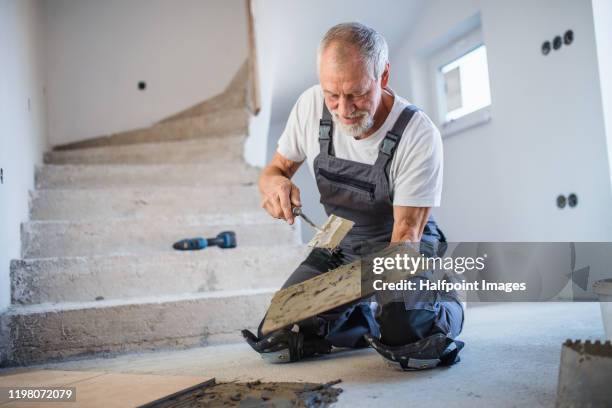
(40, 240)
(57, 335)
(214, 124)
(85, 279)
(204, 175)
(91, 204)
(217, 149)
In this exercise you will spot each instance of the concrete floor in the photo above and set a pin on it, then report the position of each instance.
(511, 359)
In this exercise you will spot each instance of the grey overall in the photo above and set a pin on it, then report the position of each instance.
(361, 192)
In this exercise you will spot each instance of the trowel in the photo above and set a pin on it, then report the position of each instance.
(330, 234)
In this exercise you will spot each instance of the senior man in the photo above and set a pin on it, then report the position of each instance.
(377, 161)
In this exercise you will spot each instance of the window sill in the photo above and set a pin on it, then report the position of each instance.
(476, 118)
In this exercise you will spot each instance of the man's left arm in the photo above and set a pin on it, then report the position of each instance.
(417, 172)
(408, 223)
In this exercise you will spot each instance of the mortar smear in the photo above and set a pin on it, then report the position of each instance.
(333, 231)
(256, 394)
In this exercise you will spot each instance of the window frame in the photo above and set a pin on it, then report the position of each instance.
(453, 50)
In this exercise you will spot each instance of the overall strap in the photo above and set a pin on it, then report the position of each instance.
(393, 137)
(326, 131)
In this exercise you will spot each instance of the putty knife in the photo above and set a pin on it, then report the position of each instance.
(329, 236)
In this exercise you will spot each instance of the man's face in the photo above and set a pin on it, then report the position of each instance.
(351, 94)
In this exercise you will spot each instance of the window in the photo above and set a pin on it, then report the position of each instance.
(466, 84)
(460, 77)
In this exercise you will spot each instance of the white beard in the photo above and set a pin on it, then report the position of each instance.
(357, 129)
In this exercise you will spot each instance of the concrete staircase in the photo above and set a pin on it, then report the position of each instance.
(98, 274)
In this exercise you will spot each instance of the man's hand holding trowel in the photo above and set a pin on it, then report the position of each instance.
(279, 194)
(377, 161)
(281, 199)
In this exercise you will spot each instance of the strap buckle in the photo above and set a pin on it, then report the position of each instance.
(324, 129)
(420, 363)
(388, 143)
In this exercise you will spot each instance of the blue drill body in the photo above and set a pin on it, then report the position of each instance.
(225, 239)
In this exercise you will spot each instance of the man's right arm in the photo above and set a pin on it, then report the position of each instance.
(278, 193)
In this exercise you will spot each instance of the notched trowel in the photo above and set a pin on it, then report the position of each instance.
(329, 236)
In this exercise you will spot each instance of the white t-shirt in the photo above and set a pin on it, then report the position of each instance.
(416, 169)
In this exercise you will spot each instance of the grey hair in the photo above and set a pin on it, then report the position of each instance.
(370, 43)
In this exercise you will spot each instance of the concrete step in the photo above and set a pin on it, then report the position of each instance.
(209, 124)
(217, 173)
(175, 152)
(57, 331)
(95, 204)
(76, 279)
(42, 239)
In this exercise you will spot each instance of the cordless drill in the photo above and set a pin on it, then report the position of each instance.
(225, 239)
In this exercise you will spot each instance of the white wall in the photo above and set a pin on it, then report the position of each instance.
(602, 16)
(546, 136)
(185, 50)
(255, 150)
(22, 123)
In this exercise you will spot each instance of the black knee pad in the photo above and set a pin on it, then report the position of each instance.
(433, 351)
(286, 346)
(399, 326)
